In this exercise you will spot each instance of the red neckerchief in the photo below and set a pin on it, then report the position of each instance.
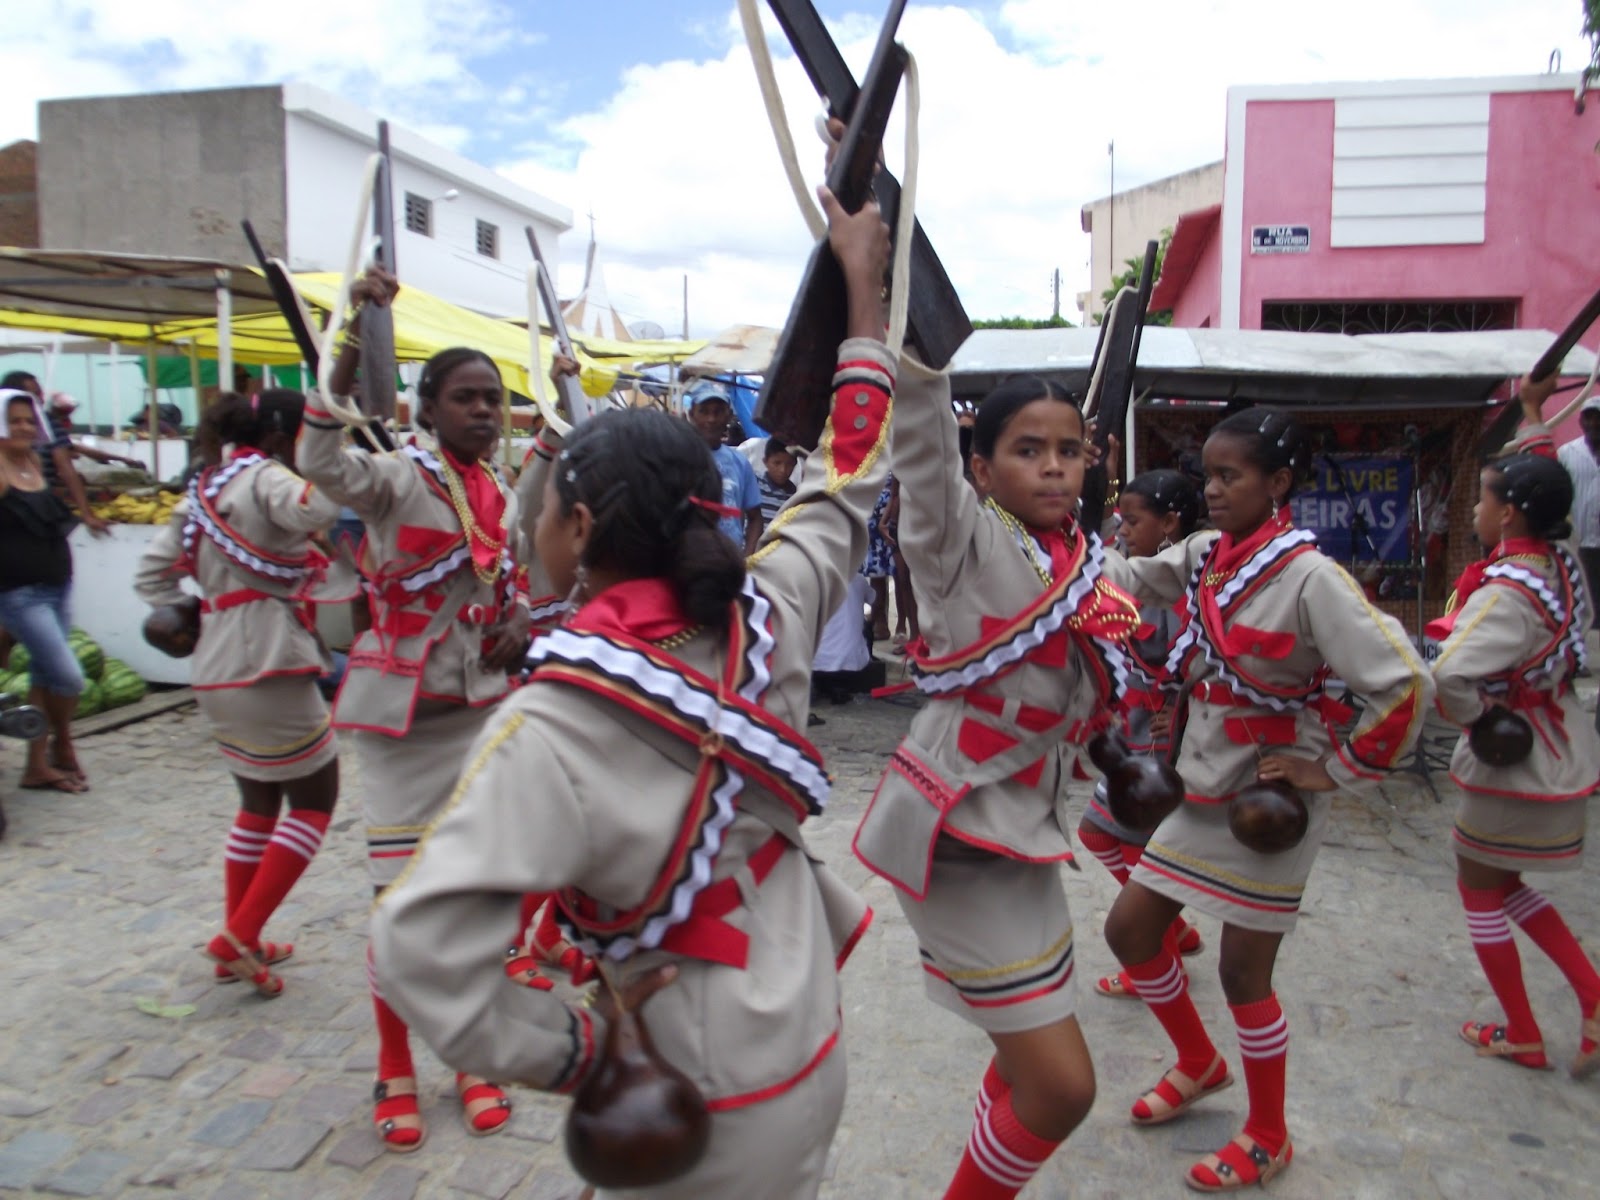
(646, 609)
(1472, 579)
(242, 451)
(488, 507)
(1229, 553)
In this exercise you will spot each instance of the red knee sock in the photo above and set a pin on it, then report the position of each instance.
(1540, 920)
(1491, 938)
(241, 854)
(990, 1088)
(394, 1040)
(1164, 986)
(1264, 1056)
(293, 845)
(1107, 848)
(1001, 1156)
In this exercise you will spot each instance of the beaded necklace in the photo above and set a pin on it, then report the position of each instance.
(469, 523)
(681, 638)
(1024, 539)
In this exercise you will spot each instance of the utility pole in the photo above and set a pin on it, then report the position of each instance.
(1111, 231)
(1055, 310)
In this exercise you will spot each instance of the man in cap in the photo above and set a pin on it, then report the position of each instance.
(60, 412)
(710, 409)
(1581, 458)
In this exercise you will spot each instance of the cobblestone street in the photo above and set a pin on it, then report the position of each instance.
(108, 897)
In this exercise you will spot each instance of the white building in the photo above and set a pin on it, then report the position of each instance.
(174, 173)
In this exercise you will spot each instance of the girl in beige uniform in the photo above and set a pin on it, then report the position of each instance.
(652, 773)
(1023, 663)
(244, 535)
(1516, 640)
(1266, 621)
(450, 617)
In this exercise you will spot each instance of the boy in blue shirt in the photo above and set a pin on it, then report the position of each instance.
(710, 410)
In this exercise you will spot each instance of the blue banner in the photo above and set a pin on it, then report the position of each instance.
(1381, 490)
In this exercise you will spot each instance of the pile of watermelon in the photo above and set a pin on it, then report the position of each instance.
(108, 682)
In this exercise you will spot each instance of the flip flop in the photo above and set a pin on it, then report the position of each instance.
(61, 783)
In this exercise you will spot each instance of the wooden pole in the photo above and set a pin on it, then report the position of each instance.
(151, 416)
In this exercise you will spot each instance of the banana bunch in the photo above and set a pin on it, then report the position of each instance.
(151, 508)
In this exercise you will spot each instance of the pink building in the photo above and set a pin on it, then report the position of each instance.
(1396, 207)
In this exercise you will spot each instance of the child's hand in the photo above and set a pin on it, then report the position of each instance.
(1306, 774)
(860, 242)
(1533, 395)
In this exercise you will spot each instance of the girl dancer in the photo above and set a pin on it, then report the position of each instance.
(652, 771)
(1023, 666)
(1516, 641)
(450, 617)
(1158, 508)
(1266, 620)
(245, 536)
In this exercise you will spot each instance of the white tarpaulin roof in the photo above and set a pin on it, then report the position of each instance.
(1251, 364)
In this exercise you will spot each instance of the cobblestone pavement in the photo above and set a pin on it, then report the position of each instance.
(108, 896)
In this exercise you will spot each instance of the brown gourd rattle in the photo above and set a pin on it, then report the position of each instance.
(1141, 791)
(637, 1121)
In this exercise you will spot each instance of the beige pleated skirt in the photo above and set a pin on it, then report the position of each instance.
(405, 782)
(1193, 858)
(995, 939)
(272, 730)
(1521, 835)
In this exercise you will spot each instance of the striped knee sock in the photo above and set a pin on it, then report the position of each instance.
(1163, 984)
(1264, 1056)
(1497, 953)
(1542, 922)
(394, 1039)
(241, 855)
(293, 845)
(1105, 847)
(1001, 1155)
(990, 1088)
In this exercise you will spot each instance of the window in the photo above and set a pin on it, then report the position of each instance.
(488, 240)
(419, 214)
(1382, 316)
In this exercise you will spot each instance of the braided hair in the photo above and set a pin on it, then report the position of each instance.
(1274, 442)
(1538, 487)
(441, 364)
(1168, 492)
(640, 471)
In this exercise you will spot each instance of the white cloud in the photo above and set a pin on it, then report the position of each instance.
(678, 165)
(1018, 106)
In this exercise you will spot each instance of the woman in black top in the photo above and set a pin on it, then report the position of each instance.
(35, 585)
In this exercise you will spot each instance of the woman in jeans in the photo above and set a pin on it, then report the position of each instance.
(35, 583)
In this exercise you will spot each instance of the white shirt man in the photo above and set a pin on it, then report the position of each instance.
(1581, 458)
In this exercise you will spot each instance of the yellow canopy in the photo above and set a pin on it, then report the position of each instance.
(423, 325)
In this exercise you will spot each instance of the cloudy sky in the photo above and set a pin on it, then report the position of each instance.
(645, 112)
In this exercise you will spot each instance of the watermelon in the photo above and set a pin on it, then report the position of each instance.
(20, 658)
(15, 682)
(120, 684)
(89, 701)
(90, 657)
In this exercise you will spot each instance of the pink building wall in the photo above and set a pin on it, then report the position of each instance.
(1541, 243)
(1199, 306)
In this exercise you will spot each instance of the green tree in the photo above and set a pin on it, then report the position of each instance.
(1130, 276)
(1023, 323)
(1591, 30)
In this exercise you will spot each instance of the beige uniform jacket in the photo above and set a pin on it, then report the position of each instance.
(544, 605)
(1310, 613)
(1501, 629)
(266, 506)
(429, 609)
(971, 571)
(568, 789)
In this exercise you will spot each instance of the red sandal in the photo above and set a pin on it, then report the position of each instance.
(270, 954)
(1177, 1093)
(395, 1114)
(1490, 1040)
(233, 955)
(483, 1104)
(1189, 941)
(1239, 1164)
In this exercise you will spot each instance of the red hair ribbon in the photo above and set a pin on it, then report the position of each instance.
(711, 506)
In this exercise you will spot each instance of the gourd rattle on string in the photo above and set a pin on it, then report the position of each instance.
(1141, 791)
(1268, 817)
(1500, 737)
(637, 1121)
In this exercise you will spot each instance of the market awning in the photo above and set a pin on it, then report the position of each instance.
(118, 289)
(1394, 370)
(1189, 239)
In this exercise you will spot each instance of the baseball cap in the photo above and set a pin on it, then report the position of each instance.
(61, 402)
(707, 389)
(1591, 404)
